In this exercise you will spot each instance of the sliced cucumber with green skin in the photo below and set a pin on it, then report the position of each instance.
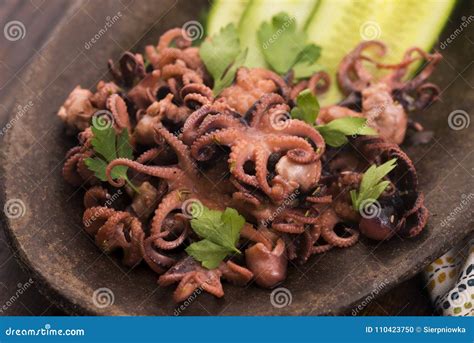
(338, 26)
(224, 12)
(259, 11)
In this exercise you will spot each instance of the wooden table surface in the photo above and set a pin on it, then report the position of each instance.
(39, 17)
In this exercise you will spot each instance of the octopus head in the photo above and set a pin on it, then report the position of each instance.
(268, 266)
(77, 110)
(306, 176)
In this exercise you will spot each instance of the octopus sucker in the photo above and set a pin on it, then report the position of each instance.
(240, 150)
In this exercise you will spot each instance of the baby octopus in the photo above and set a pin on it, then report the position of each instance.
(385, 102)
(260, 136)
(241, 149)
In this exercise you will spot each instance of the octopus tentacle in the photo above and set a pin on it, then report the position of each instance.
(244, 193)
(298, 149)
(343, 242)
(172, 201)
(257, 111)
(319, 249)
(301, 129)
(219, 121)
(154, 258)
(305, 219)
(328, 221)
(193, 122)
(112, 236)
(169, 56)
(187, 75)
(69, 170)
(318, 83)
(197, 93)
(237, 159)
(222, 137)
(182, 151)
(115, 229)
(117, 106)
(94, 217)
(426, 95)
(149, 155)
(172, 174)
(85, 173)
(327, 199)
(95, 196)
(247, 198)
(261, 171)
(283, 88)
(351, 64)
(288, 228)
(74, 150)
(167, 38)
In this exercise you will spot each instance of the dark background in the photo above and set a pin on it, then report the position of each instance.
(40, 16)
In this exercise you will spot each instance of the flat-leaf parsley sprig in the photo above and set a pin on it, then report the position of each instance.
(371, 185)
(220, 232)
(285, 48)
(109, 146)
(222, 56)
(336, 131)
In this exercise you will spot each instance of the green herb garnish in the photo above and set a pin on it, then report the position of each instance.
(220, 232)
(307, 107)
(107, 147)
(334, 132)
(284, 47)
(372, 185)
(222, 56)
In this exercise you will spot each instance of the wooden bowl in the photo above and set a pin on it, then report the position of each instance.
(70, 267)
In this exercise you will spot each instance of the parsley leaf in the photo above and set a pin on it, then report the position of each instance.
(372, 185)
(335, 132)
(107, 147)
(220, 231)
(284, 47)
(307, 107)
(209, 254)
(222, 56)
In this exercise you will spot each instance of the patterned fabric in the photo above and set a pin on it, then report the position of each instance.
(451, 281)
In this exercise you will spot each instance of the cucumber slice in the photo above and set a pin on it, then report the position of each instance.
(224, 12)
(338, 26)
(259, 11)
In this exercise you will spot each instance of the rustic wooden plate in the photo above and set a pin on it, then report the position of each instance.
(48, 233)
